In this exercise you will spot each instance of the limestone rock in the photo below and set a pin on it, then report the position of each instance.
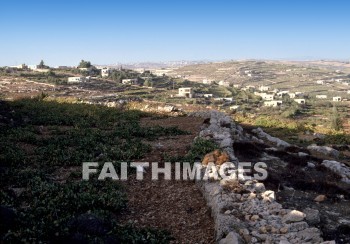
(231, 238)
(320, 198)
(324, 150)
(293, 216)
(338, 168)
(263, 135)
(268, 196)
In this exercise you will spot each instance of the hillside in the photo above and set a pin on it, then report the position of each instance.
(293, 76)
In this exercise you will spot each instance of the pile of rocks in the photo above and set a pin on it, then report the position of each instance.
(245, 211)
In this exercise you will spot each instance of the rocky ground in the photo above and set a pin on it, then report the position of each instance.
(305, 198)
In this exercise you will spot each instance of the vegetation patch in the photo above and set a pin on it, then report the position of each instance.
(43, 137)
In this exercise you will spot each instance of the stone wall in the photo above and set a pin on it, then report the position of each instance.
(244, 211)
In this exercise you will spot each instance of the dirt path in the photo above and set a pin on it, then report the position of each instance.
(176, 206)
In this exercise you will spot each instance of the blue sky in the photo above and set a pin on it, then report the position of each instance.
(105, 32)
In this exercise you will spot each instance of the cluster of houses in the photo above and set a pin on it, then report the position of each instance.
(328, 82)
(220, 83)
(273, 98)
(36, 68)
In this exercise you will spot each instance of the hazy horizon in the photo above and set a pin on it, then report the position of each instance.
(106, 32)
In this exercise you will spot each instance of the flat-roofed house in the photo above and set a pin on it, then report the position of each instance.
(129, 81)
(76, 79)
(336, 99)
(274, 103)
(321, 96)
(185, 92)
(300, 100)
(264, 88)
(105, 72)
(224, 83)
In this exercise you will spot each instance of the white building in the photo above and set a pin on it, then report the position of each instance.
(234, 107)
(282, 93)
(86, 69)
(33, 67)
(224, 83)
(300, 100)
(185, 92)
(265, 96)
(129, 81)
(248, 88)
(292, 95)
(62, 67)
(105, 72)
(321, 96)
(76, 79)
(209, 95)
(207, 82)
(21, 66)
(336, 99)
(274, 103)
(264, 88)
(320, 82)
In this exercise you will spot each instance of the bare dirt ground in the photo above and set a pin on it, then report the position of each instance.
(176, 206)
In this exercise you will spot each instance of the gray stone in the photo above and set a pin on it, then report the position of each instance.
(226, 142)
(302, 154)
(311, 165)
(232, 238)
(312, 216)
(338, 168)
(327, 151)
(310, 235)
(298, 226)
(254, 186)
(263, 135)
(284, 242)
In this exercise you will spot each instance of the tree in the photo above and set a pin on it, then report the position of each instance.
(84, 64)
(148, 82)
(42, 65)
(336, 120)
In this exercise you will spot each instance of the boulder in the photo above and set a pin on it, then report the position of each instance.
(324, 150)
(268, 196)
(320, 198)
(338, 168)
(312, 235)
(293, 216)
(231, 238)
(274, 140)
(312, 216)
